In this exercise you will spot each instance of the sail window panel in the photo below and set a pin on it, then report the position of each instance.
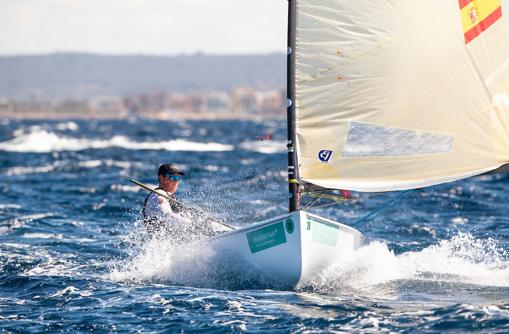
(368, 140)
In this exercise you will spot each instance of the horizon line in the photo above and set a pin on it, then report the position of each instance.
(139, 54)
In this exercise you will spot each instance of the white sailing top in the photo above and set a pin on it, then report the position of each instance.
(158, 207)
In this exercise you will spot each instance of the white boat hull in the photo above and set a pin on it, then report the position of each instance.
(285, 252)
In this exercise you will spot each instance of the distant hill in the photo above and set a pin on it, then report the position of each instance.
(47, 77)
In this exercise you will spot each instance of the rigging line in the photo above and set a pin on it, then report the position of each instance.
(323, 206)
(317, 197)
(381, 209)
(364, 196)
(312, 203)
(326, 196)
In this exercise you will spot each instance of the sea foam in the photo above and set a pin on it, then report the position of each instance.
(459, 260)
(264, 147)
(160, 260)
(462, 259)
(42, 141)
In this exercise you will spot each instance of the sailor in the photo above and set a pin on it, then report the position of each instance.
(157, 210)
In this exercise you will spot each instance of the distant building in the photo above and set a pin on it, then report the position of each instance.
(108, 105)
(244, 100)
(73, 107)
(217, 102)
(272, 102)
(6, 107)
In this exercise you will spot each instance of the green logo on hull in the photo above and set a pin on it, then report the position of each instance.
(266, 237)
(289, 226)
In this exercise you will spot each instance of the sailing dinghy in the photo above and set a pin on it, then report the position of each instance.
(382, 96)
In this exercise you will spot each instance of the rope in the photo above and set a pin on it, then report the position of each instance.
(381, 209)
(319, 196)
(309, 205)
(326, 196)
(321, 206)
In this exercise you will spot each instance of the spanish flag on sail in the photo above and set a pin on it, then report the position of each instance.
(478, 15)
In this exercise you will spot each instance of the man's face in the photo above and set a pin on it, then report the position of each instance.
(169, 183)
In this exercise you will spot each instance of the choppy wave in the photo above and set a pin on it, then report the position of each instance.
(63, 164)
(125, 188)
(70, 126)
(459, 260)
(43, 141)
(74, 257)
(265, 147)
(462, 259)
(24, 170)
(162, 261)
(9, 206)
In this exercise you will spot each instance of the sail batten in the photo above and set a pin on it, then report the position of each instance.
(392, 95)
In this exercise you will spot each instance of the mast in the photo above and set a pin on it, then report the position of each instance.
(293, 171)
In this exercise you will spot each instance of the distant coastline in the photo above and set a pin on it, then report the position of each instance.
(87, 86)
(76, 76)
(241, 103)
(155, 116)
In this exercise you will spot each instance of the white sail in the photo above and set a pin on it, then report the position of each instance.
(400, 94)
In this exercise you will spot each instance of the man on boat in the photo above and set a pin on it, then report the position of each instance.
(157, 210)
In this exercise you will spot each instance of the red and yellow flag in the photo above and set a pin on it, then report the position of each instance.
(478, 15)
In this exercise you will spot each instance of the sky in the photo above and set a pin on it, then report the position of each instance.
(154, 27)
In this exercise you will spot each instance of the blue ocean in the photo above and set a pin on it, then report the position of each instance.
(74, 255)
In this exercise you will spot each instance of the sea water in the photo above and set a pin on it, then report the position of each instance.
(74, 256)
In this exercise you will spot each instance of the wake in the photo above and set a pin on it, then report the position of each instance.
(462, 259)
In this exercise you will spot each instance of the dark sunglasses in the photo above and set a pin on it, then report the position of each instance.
(173, 177)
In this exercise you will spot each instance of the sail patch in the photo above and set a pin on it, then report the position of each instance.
(367, 140)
